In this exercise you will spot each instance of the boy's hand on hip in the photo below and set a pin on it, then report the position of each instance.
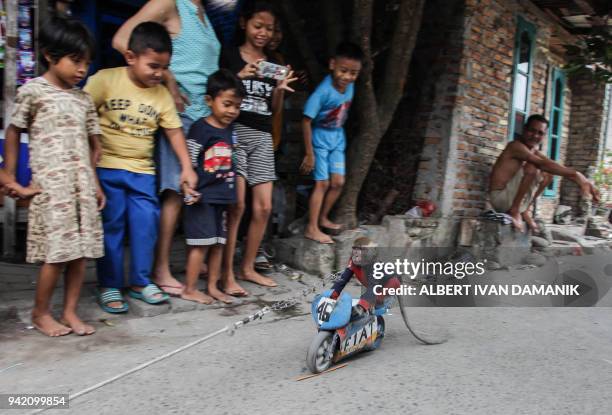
(307, 164)
(100, 197)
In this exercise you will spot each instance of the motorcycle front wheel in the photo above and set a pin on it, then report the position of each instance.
(319, 357)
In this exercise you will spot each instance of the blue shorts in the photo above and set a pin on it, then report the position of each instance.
(168, 166)
(328, 162)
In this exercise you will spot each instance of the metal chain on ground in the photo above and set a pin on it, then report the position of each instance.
(285, 303)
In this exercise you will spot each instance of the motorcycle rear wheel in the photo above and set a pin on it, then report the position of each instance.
(319, 358)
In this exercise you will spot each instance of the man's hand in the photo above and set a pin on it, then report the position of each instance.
(589, 191)
(594, 192)
(189, 178)
(307, 164)
(100, 197)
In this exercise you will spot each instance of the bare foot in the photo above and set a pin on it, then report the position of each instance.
(329, 224)
(517, 222)
(257, 278)
(197, 296)
(173, 290)
(530, 222)
(167, 283)
(77, 325)
(317, 236)
(234, 289)
(220, 295)
(47, 325)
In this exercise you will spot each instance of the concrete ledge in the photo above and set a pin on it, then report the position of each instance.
(304, 254)
(396, 231)
(16, 305)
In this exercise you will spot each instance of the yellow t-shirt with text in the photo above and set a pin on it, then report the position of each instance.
(129, 117)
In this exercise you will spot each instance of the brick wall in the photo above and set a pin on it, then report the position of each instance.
(433, 94)
(480, 105)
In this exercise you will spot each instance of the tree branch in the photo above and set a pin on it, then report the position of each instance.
(362, 31)
(296, 26)
(398, 62)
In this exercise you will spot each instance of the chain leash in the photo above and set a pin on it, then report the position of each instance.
(284, 304)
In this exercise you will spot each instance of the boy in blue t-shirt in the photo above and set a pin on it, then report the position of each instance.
(210, 142)
(324, 115)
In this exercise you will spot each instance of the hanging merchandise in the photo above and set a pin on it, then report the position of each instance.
(25, 38)
(24, 15)
(27, 63)
(26, 59)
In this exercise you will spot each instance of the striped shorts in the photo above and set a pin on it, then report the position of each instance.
(254, 155)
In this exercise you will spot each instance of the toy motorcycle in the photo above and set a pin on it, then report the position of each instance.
(340, 336)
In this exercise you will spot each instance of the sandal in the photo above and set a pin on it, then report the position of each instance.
(111, 295)
(148, 294)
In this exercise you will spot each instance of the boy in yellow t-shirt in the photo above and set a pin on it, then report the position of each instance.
(132, 105)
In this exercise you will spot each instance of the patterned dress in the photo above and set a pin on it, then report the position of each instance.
(63, 221)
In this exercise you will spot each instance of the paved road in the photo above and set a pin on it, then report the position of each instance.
(497, 361)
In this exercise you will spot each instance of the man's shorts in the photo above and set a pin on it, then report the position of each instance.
(168, 166)
(254, 155)
(502, 199)
(205, 224)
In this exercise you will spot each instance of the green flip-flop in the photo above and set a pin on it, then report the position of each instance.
(148, 294)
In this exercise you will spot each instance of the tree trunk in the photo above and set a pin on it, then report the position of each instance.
(375, 112)
(334, 24)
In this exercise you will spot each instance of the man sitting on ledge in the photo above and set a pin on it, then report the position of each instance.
(521, 173)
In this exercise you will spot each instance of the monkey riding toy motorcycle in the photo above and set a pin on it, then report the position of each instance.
(342, 333)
